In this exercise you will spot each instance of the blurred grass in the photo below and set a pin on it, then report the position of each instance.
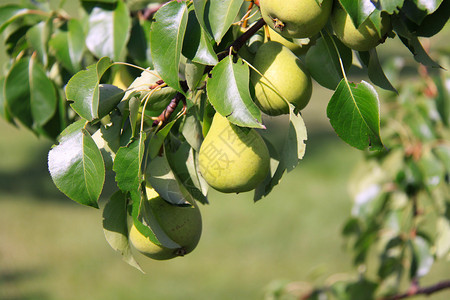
(53, 248)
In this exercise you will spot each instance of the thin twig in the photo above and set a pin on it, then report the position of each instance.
(414, 290)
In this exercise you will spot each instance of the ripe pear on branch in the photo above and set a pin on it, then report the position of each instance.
(233, 159)
(281, 78)
(181, 223)
(363, 38)
(296, 19)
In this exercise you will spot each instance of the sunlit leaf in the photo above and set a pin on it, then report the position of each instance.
(358, 10)
(354, 113)
(83, 89)
(166, 41)
(228, 91)
(109, 30)
(76, 165)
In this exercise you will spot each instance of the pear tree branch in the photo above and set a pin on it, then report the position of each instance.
(415, 290)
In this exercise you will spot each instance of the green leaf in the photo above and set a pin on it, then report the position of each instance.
(391, 6)
(322, 61)
(127, 165)
(69, 45)
(362, 289)
(161, 177)
(43, 97)
(443, 237)
(109, 96)
(197, 44)
(158, 138)
(17, 92)
(433, 23)
(354, 113)
(4, 111)
(147, 223)
(83, 89)
(9, 13)
(30, 94)
(138, 45)
(358, 10)
(194, 73)
(109, 30)
(115, 227)
(228, 91)
(166, 41)
(285, 137)
(76, 165)
(428, 6)
(422, 258)
(411, 41)
(216, 17)
(182, 163)
(105, 1)
(38, 36)
(192, 129)
(375, 71)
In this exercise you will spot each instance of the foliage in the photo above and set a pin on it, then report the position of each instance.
(132, 87)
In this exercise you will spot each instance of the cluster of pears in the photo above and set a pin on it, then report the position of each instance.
(234, 159)
(282, 77)
(306, 18)
(181, 224)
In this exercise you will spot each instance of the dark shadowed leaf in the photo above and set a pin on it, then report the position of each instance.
(216, 17)
(411, 41)
(323, 64)
(375, 71)
(76, 165)
(197, 45)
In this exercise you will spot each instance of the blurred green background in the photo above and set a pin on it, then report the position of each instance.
(53, 248)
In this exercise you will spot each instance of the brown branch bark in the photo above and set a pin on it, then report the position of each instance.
(414, 290)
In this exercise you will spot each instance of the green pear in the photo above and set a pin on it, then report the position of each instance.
(297, 46)
(233, 159)
(284, 76)
(294, 18)
(181, 223)
(363, 38)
